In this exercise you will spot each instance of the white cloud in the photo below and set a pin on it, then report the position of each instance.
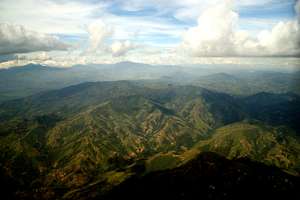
(146, 54)
(214, 35)
(98, 32)
(18, 39)
(283, 39)
(48, 16)
(119, 48)
(143, 28)
(71, 17)
(182, 10)
(186, 10)
(218, 34)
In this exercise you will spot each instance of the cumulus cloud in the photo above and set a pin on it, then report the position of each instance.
(18, 39)
(121, 48)
(218, 34)
(282, 40)
(100, 35)
(98, 32)
(215, 33)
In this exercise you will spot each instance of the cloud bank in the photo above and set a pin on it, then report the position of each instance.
(98, 32)
(18, 39)
(217, 34)
(121, 48)
(150, 31)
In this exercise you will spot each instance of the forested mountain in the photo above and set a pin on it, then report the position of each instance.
(141, 99)
(65, 143)
(210, 176)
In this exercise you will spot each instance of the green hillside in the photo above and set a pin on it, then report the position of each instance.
(277, 146)
(92, 136)
(210, 176)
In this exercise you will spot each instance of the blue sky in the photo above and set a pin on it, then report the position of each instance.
(104, 30)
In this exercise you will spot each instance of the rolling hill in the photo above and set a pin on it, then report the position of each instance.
(98, 134)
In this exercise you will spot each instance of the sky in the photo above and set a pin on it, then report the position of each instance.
(69, 32)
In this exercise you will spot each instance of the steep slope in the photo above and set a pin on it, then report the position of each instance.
(94, 134)
(210, 176)
(275, 109)
(114, 135)
(74, 99)
(94, 128)
(66, 101)
(277, 146)
(24, 158)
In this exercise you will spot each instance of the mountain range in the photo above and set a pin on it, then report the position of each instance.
(82, 141)
(18, 82)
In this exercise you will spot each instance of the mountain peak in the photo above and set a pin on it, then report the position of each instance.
(129, 63)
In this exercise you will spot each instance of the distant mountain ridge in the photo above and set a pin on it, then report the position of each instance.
(18, 82)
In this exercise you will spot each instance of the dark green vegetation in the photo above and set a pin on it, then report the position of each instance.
(276, 146)
(81, 141)
(210, 176)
